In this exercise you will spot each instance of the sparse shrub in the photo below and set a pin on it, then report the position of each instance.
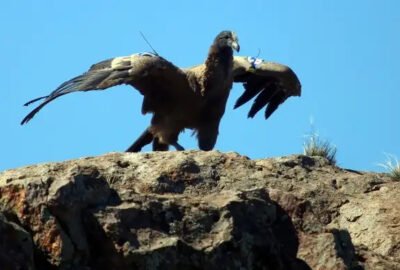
(315, 146)
(392, 166)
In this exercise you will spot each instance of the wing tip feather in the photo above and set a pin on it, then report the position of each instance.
(34, 100)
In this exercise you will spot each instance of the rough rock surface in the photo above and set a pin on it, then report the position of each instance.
(197, 210)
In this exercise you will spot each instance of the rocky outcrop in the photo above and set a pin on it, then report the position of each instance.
(197, 210)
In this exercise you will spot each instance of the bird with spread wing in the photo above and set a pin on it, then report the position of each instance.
(193, 98)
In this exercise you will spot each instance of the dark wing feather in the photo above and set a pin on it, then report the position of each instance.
(267, 92)
(252, 88)
(274, 103)
(139, 70)
(84, 82)
(270, 83)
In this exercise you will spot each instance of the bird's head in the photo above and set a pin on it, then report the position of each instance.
(227, 39)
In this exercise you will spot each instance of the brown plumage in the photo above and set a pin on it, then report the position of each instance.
(193, 98)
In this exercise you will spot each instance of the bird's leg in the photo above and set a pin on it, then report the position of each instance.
(207, 136)
(157, 146)
(177, 146)
(143, 140)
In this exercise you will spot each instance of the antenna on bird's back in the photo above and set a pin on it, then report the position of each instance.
(148, 43)
(259, 52)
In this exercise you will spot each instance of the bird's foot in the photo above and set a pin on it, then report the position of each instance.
(178, 147)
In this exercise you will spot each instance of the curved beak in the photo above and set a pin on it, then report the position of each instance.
(235, 45)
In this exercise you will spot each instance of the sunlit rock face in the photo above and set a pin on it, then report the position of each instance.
(197, 210)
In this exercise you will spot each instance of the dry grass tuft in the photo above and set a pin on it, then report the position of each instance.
(315, 146)
(392, 166)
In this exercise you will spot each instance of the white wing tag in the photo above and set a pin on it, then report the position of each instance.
(255, 62)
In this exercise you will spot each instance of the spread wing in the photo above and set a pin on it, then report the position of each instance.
(270, 83)
(153, 76)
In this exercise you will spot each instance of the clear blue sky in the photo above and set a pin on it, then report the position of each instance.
(346, 54)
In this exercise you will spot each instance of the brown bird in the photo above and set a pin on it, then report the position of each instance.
(193, 98)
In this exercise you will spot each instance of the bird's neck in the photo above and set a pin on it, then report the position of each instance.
(219, 58)
(218, 70)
